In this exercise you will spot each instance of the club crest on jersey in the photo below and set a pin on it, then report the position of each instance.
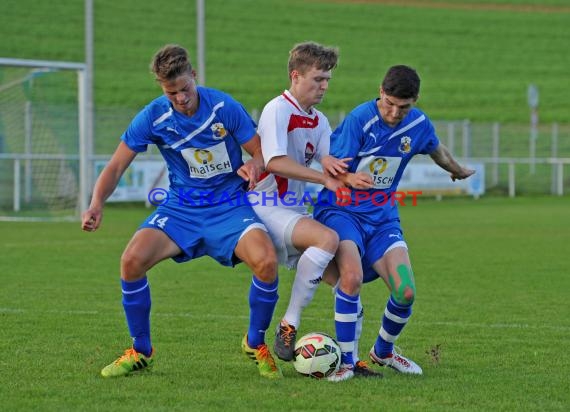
(377, 166)
(405, 145)
(203, 156)
(309, 153)
(219, 131)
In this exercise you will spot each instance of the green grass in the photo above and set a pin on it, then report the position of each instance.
(492, 288)
(476, 60)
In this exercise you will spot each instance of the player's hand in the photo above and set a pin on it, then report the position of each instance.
(333, 184)
(91, 219)
(334, 166)
(463, 173)
(360, 180)
(250, 172)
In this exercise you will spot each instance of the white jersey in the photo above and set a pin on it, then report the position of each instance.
(286, 129)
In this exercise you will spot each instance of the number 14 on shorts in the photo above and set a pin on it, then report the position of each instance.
(158, 221)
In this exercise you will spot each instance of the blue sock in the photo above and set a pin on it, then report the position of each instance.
(395, 318)
(346, 314)
(136, 301)
(262, 300)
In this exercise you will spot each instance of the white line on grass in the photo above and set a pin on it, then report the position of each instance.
(222, 316)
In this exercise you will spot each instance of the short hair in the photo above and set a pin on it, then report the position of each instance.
(305, 55)
(401, 81)
(170, 62)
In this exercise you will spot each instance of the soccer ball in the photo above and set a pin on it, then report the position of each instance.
(316, 355)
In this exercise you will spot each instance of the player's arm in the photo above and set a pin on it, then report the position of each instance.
(338, 169)
(331, 165)
(358, 180)
(254, 167)
(443, 158)
(105, 185)
(289, 168)
(334, 166)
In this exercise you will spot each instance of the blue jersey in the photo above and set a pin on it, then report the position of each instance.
(202, 151)
(381, 151)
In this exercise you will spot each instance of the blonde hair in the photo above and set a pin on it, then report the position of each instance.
(170, 62)
(305, 55)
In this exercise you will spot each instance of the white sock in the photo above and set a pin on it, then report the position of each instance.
(358, 331)
(310, 269)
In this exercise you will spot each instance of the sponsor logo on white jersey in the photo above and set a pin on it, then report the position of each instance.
(382, 170)
(207, 162)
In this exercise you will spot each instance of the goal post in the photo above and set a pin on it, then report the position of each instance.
(44, 150)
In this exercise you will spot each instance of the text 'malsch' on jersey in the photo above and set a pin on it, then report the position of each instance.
(380, 151)
(202, 151)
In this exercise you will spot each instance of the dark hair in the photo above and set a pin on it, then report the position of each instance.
(170, 62)
(305, 55)
(401, 81)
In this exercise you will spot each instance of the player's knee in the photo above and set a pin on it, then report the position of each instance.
(350, 281)
(132, 266)
(405, 297)
(265, 266)
(329, 240)
(405, 292)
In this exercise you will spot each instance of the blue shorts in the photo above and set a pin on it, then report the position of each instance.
(369, 274)
(212, 231)
(372, 240)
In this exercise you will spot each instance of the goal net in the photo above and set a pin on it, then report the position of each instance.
(40, 132)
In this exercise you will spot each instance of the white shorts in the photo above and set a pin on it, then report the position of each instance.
(280, 222)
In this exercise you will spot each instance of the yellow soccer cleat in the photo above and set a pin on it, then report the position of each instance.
(131, 361)
(263, 359)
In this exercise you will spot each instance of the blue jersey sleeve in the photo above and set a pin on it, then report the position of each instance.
(139, 133)
(431, 141)
(346, 140)
(239, 123)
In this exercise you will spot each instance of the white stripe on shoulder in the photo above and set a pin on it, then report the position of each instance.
(362, 154)
(408, 127)
(199, 129)
(370, 122)
(163, 117)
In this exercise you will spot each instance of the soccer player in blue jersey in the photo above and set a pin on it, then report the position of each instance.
(381, 136)
(200, 133)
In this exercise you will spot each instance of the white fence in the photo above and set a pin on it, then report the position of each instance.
(147, 172)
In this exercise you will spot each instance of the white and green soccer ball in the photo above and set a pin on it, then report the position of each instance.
(316, 355)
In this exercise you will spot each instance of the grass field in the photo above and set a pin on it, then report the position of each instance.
(492, 294)
(476, 57)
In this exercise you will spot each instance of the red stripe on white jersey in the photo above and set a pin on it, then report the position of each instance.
(282, 183)
(282, 186)
(291, 101)
(297, 121)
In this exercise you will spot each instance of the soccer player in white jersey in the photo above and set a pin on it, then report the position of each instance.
(200, 132)
(381, 136)
(294, 133)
